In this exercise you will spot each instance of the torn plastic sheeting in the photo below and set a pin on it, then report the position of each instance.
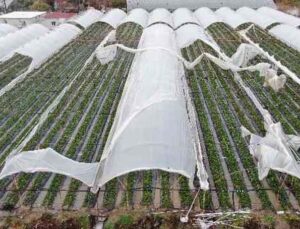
(255, 17)
(48, 160)
(245, 52)
(276, 151)
(287, 71)
(12, 41)
(113, 17)
(160, 16)
(207, 17)
(138, 16)
(280, 16)
(88, 17)
(287, 34)
(230, 17)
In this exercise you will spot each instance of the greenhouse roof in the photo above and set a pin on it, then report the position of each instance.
(22, 14)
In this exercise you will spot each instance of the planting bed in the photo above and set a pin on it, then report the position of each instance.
(79, 126)
(288, 56)
(12, 68)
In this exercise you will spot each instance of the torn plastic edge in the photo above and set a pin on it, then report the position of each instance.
(287, 71)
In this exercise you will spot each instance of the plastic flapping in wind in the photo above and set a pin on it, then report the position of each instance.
(206, 17)
(288, 34)
(138, 16)
(12, 41)
(194, 4)
(88, 17)
(160, 16)
(275, 150)
(48, 160)
(280, 16)
(6, 29)
(152, 124)
(255, 17)
(113, 17)
(230, 17)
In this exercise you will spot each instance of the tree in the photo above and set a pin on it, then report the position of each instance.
(40, 5)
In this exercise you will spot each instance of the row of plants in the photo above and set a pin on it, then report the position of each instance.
(12, 68)
(279, 99)
(38, 90)
(288, 56)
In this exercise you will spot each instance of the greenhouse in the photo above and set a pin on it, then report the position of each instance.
(185, 108)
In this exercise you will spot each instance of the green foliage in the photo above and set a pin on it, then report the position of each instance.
(40, 5)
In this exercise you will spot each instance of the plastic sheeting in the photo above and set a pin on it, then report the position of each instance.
(194, 4)
(206, 17)
(138, 16)
(230, 17)
(45, 46)
(162, 16)
(12, 41)
(152, 125)
(182, 16)
(88, 17)
(280, 16)
(288, 34)
(6, 29)
(113, 17)
(42, 161)
(275, 150)
(255, 17)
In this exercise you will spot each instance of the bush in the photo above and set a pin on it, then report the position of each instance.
(40, 5)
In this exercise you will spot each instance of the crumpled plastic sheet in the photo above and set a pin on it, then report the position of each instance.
(286, 70)
(160, 15)
(275, 150)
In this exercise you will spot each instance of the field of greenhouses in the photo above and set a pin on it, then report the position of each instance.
(72, 103)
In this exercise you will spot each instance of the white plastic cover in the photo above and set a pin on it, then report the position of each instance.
(138, 16)
(194, 4)
(48, 160)
(230, 17)
(152, 124)
(113, 17)
(88, 17)
(280, 16)
(255, 17)
(275, 150)
(287, 34)
(182, 16)
(12, 41)
(207, 17)
(6, 29)
(41, 48)
(160, 15)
